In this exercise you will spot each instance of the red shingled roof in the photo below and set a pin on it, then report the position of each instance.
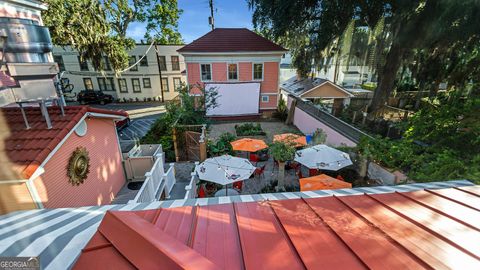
(231, 40)
(413, 230)
(25, 148)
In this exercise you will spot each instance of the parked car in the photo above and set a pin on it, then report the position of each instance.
(91, 96)
(123, 123)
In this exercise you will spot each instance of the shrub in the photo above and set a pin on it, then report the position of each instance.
(282, 110)
(249, 129)
(221, 146)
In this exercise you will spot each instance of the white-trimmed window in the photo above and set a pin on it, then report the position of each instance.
(165, 85)
(122, 84)
(137, 88)
(257, 71)
(147, 83)
(206, 72)
(177, 84)
(265, 99)
(232, 71)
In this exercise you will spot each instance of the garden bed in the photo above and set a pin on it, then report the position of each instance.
(249, 130)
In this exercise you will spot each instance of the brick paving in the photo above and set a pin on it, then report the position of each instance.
(254, 185)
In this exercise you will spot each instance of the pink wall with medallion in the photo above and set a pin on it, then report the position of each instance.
(106, 175)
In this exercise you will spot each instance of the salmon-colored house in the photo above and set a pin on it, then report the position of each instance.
(240, 65)
(75, 162)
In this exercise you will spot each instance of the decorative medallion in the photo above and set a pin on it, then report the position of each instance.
(78, 166)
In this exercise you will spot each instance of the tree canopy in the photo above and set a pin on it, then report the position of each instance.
(98, 28)
(315, 31)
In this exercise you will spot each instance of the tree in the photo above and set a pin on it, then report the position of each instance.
(313, 30)
(98, 28)
(282, 152)
(83, 25)
(161, 18)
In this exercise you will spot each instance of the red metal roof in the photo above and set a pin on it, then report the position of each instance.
(231, 40)
(28, 148)
(414, 230)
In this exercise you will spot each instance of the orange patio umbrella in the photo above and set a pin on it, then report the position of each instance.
(297, 140)
(248, 145)
(322, 181)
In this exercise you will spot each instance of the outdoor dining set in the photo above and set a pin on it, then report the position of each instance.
(230, 171)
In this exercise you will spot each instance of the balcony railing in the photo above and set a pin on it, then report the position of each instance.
(157, 181)
(191, 189)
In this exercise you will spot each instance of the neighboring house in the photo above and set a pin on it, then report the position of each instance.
(320, 91)
(240, 65)
(28, 69)
(140, 83)
(42, 167)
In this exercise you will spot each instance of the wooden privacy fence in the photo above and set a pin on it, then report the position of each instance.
(189, 142)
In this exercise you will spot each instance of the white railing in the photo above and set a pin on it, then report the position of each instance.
(156, 182)
(191, 189)
(170, 180)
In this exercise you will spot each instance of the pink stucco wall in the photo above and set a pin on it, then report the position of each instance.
(269, 84)
(219, 72)
(272, 102)
(307, 124)
(270, 78)
(106, 175)
(245, 71)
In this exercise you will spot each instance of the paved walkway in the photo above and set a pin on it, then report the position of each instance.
(182, 175)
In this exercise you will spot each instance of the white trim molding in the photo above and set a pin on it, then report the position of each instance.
(211, 71)
(253, 71)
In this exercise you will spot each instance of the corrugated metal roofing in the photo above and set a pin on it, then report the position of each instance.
(379, 231)
(316, 231)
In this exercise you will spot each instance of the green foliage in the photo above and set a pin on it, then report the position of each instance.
(221, 146)
(282, 151)
(441, 142)
(184, 113)
(98, 28)
(249, 129)
(319, 137)
(282, 110)
(369, 86)
(83, 25)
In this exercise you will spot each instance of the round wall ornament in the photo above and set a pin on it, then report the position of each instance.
(78, 166)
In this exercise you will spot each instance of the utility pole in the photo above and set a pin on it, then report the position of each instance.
(211, 21)
(159, 71)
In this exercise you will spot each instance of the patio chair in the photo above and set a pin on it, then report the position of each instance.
(253, 157)
(312, 172)
(260, 171)
(238, 185)
(201, 192)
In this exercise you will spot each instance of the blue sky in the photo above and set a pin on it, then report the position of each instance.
(193, 22)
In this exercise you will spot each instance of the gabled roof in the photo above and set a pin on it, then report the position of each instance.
(299, 87)
(231, 40)
(413, 230)
(57, 236)
(26, 149)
